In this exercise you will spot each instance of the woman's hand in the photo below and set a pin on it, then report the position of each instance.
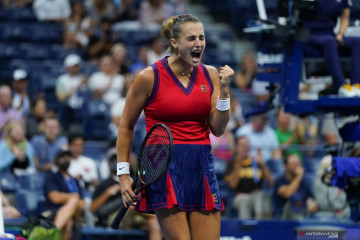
(225, 74)
(128, 196)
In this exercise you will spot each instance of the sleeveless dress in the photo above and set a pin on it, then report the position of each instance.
(190, 183)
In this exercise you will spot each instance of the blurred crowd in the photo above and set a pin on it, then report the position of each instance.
(269, 162)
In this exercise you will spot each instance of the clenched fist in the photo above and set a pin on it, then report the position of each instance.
(225, 74)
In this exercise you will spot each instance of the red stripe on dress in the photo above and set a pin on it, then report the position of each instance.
(209, 202)
(171, 200)
(143, 200)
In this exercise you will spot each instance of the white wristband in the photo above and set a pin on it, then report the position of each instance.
(223, 104)
(122, 168)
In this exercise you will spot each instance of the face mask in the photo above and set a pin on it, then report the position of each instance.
(64, 166)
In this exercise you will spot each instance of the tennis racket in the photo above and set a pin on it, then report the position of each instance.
(153, 161)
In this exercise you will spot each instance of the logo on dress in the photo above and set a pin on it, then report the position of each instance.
(203, 88)
(215, 198)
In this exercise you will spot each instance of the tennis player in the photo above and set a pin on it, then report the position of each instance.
(192, 99)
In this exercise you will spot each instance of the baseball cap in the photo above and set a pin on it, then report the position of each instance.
(19, 74)
(63, 152)
(72, 60)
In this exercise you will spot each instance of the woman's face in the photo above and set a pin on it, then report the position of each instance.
(191, 43)
(17, 133)
(106, 65)
(120, 54)
(40, 108)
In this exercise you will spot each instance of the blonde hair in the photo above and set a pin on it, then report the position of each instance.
(116, 47)
(171, 27)
(9, 127)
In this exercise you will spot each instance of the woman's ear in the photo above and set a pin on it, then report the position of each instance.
(173, 43)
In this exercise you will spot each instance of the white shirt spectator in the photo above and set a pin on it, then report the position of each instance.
(118, 107)
(266, 140)
(99, 80)
(52, 9)
(85, 167)
(152, 56)
(65, 83)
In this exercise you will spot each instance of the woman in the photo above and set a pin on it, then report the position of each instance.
(17, 154)
(192, 99)
(107, 84)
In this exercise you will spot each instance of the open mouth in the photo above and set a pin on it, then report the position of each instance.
(196, 55)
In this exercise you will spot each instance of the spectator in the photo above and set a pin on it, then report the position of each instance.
(17, 154)
(99, 9)
(245, 78)
(105, 205)
(178, 7)
(34, 121)
(9, 211)
(328, 129)
(77, 27)
(71, 89)
(106, 84)
(116, 112)
(104, 169)
(48, 144)
(236, 115)
(7, 113)
(101, 41)
(142, 60)
(119, 54)
(20, 101)
(52, 10)
(64, 202)
(288, 139)
(156, 51)
(126, 11)
(152, 13)
(330, 199)
(323, 38)
(82, 168)
(246, 175)
(293, 197)
(222, 147)
(261, 137)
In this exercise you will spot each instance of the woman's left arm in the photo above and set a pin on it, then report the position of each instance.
(220, 99)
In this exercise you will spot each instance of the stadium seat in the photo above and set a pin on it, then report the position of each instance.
(310, 165)
(10, 51)
(60, 53)
(88, 69)
(276, 167)
(96, 120)
(27, 202)
(94, 150)
(8, 182)
(35, 51)
(14, 32)
(219, 168)
(20, 14)
(46, 33)
(227, 196)
(32, 182)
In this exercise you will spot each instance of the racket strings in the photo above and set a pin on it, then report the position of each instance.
(154, 155)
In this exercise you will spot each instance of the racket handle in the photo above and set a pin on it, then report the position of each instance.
(119, 216)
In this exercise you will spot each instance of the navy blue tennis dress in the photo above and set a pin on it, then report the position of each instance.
(190, 183)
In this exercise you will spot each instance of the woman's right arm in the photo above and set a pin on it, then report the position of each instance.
(135, 102)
